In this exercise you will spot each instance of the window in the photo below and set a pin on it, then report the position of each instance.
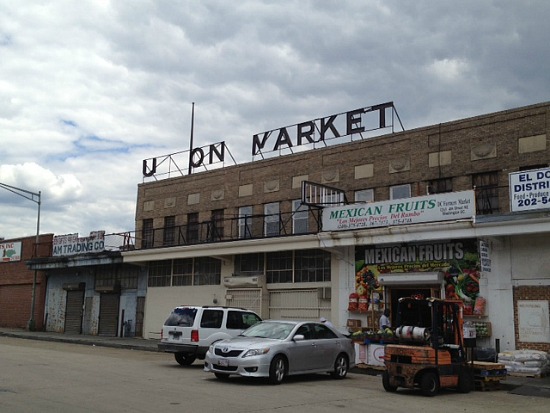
(183, 272)
(193, 228)
(364, 195)
(486, 188)
(147, 233)
(215, 229)
(299, 217)
(207, 271)
(160, 273)
(272, 220)
(126, 278)
(440, 186)
(279, 267)
(245, 222)
(212, 319)
(239, 320)
(169, 230)
(249, 264)
(311, 266)
(400, 191)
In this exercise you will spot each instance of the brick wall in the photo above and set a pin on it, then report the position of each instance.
(529, 293)
(488, 143)
(16, 282)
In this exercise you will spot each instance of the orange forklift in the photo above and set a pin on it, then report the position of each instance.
(430, 353)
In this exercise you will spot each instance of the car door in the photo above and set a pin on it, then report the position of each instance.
(302, 353)
(326, 345)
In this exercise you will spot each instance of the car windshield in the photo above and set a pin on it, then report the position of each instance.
(278, 331)
(181, 317)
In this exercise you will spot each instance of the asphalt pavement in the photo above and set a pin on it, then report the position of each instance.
(521, 385)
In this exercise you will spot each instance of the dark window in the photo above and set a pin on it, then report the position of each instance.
(160, 273)
(147, 233)
(279, 267)
(440, 186)
(215, 229)
(239, 320)
(322, 332)
(207, 271)
(169, 230)
(181, 317)
(193, 228)
(311, 266)
(183, 272)
(212, 319)
(249, 264)
(486, 188)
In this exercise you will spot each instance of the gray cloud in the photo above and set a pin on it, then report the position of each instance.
(90, 88)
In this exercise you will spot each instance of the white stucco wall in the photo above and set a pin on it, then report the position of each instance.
(161, 300)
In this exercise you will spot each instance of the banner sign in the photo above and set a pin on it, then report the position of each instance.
(530, 190)
(450, 206)
(72, 244)
(10, 251)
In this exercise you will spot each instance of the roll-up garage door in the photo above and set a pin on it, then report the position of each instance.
(73, 312)
(298, 304)
(108, 314)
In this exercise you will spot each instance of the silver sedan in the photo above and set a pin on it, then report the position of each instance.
(275, 349)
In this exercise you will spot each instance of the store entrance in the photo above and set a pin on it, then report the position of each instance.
(395, 293)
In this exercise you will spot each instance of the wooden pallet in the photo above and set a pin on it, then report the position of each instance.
(487, 385)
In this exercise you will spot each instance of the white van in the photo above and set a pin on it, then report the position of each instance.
(190, 330)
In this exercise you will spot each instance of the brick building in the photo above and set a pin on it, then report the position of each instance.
(260, 234)
(17, 282)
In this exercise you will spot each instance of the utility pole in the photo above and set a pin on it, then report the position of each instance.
(36, 198)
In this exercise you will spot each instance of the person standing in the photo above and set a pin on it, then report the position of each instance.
(385, 321)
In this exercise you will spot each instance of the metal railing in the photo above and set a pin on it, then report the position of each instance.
(227, 229)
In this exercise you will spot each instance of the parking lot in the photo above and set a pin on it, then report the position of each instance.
(51, 376)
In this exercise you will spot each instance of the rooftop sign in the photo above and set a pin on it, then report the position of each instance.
(10, 251)
(320, 130)
(450, 206)
(72, 244)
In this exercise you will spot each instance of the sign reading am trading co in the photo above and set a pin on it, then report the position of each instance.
(72, 244)
(450, 206)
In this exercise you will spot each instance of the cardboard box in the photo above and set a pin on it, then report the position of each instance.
(353, 323)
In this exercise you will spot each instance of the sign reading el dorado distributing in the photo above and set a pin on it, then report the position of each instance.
(530, 190)
(450, 206)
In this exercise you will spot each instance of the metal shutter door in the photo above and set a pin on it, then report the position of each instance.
(108, 315)
(73, 312)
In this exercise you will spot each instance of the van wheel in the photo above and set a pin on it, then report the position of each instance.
(429, 384)
(184, 359)
(386, 382)
(277, 370)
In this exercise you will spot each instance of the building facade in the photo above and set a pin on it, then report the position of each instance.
(259, 235)
(22, 290)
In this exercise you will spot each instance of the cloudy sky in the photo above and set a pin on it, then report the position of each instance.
(90, 88)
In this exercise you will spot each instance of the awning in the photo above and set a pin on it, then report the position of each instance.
(411, 278)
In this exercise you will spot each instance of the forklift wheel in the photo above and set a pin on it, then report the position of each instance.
(429, 384)
(465, 380)
(386, 382)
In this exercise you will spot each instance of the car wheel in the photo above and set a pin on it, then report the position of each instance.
(277, 370)
(184, 359)
(465, 380)
(429, 384)
(222, 376)
(341, 366)
(386, 383)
